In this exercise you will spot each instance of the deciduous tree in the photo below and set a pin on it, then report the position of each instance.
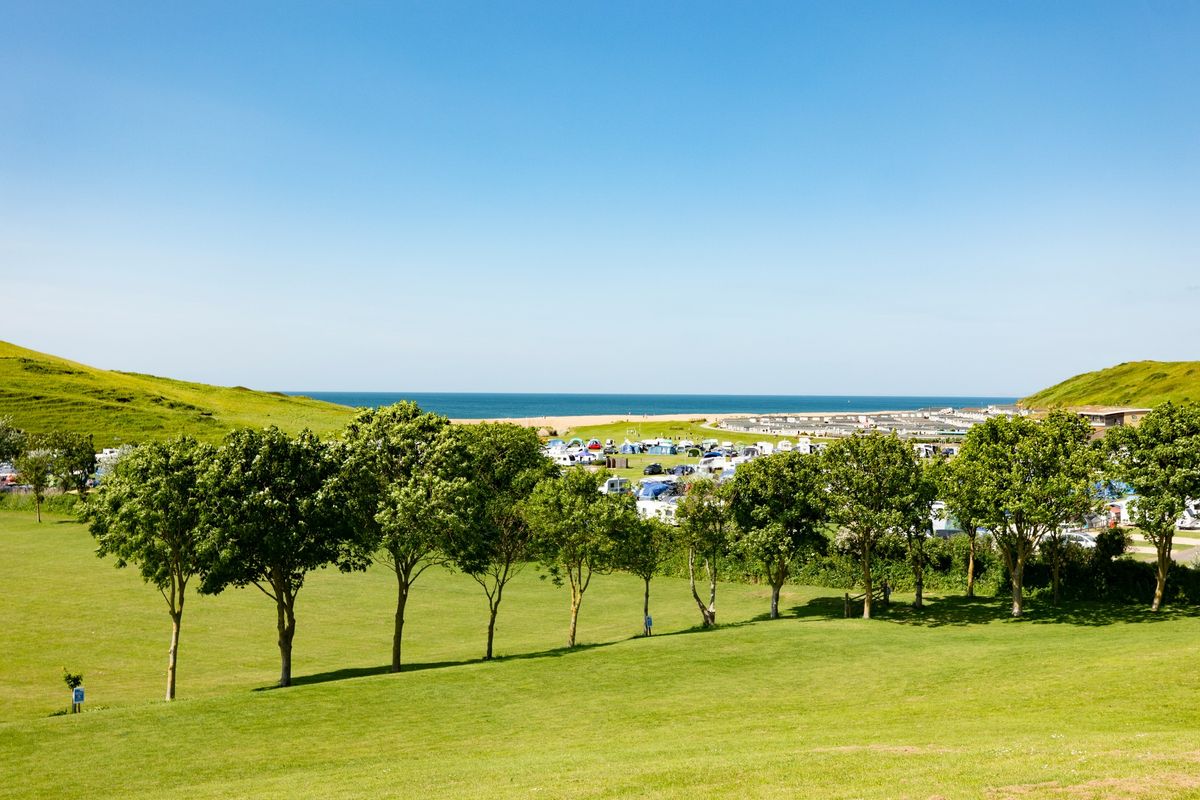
(875, 486)
(274, 510)
(502, 462)
(74, 460)
(12, 440)
(644, 551)
(147, 513)
(577, 530)
(779, 503)
(1033, 478)
(1160, 460)
(959, 486)
(705, 527)
(33, 469)
(398, 459)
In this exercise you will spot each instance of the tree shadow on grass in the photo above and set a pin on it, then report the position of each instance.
(701, 629)
(962, 611)
(350, 673)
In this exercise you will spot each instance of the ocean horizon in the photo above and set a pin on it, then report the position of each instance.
(501, 405)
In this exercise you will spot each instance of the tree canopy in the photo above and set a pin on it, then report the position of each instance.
(12, 440)
(705, 527)
(1160, 460)
(1032, 477)
(400, 461)
(33, 466)
(876, 487)
(779, 504)
(578, 531)
(502, 463)
(275, 510)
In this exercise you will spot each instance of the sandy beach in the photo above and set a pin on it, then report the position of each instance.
(563, 423)
(566, 423)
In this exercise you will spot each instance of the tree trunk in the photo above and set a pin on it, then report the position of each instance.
(1017, 571)
(173, 653)
(710, 566)
(37, 504)
(707, 615)
(1056, 571)
(777, 576)
(646, 607)
(1163, 545)
(866, 562)
(286, 622)
(971, 564)
(398, 631)
(493, 608)
(918, 565)
(576, 601)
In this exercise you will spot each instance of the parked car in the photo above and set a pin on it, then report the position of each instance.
(682, 469)
(653, 469)
(1078, 537)
(1084, 540)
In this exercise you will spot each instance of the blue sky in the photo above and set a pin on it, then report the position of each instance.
(875, 198)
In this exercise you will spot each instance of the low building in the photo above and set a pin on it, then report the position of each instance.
(1111, 416)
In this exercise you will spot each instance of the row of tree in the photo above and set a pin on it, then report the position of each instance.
(1025, 481)
(63, 459)
(410, 490)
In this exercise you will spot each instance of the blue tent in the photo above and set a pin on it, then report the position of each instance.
(629, 449)
(653, 491)
(663, 450)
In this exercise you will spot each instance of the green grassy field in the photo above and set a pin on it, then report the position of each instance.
(1136, 383)
(1087, 701)
(44, 393)
(638, 430)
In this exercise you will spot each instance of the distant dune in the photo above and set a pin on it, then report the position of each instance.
(1135, 383)
(43, 393)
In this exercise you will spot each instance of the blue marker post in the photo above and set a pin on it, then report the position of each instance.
(76, 699)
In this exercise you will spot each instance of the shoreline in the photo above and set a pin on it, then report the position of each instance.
(563, 423)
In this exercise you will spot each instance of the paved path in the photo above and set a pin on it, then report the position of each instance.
(1185, 555)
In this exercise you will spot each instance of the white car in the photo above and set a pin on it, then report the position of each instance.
(1084, 540)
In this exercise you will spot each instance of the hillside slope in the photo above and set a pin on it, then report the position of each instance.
(43, 393)
(1135, 383)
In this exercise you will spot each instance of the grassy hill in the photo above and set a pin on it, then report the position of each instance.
(43, 393)
(957, 702)
(1135, 383)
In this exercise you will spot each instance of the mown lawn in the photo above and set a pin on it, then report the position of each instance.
(1086, 701)
(639, 430)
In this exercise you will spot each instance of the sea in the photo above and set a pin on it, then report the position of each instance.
(487, 405)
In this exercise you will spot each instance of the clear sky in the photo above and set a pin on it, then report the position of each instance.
(842, 197)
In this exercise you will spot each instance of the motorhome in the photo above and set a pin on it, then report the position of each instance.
(616, 486)
(665, 510)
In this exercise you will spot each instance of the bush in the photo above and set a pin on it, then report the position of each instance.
(1102, 573)
(51, 503)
